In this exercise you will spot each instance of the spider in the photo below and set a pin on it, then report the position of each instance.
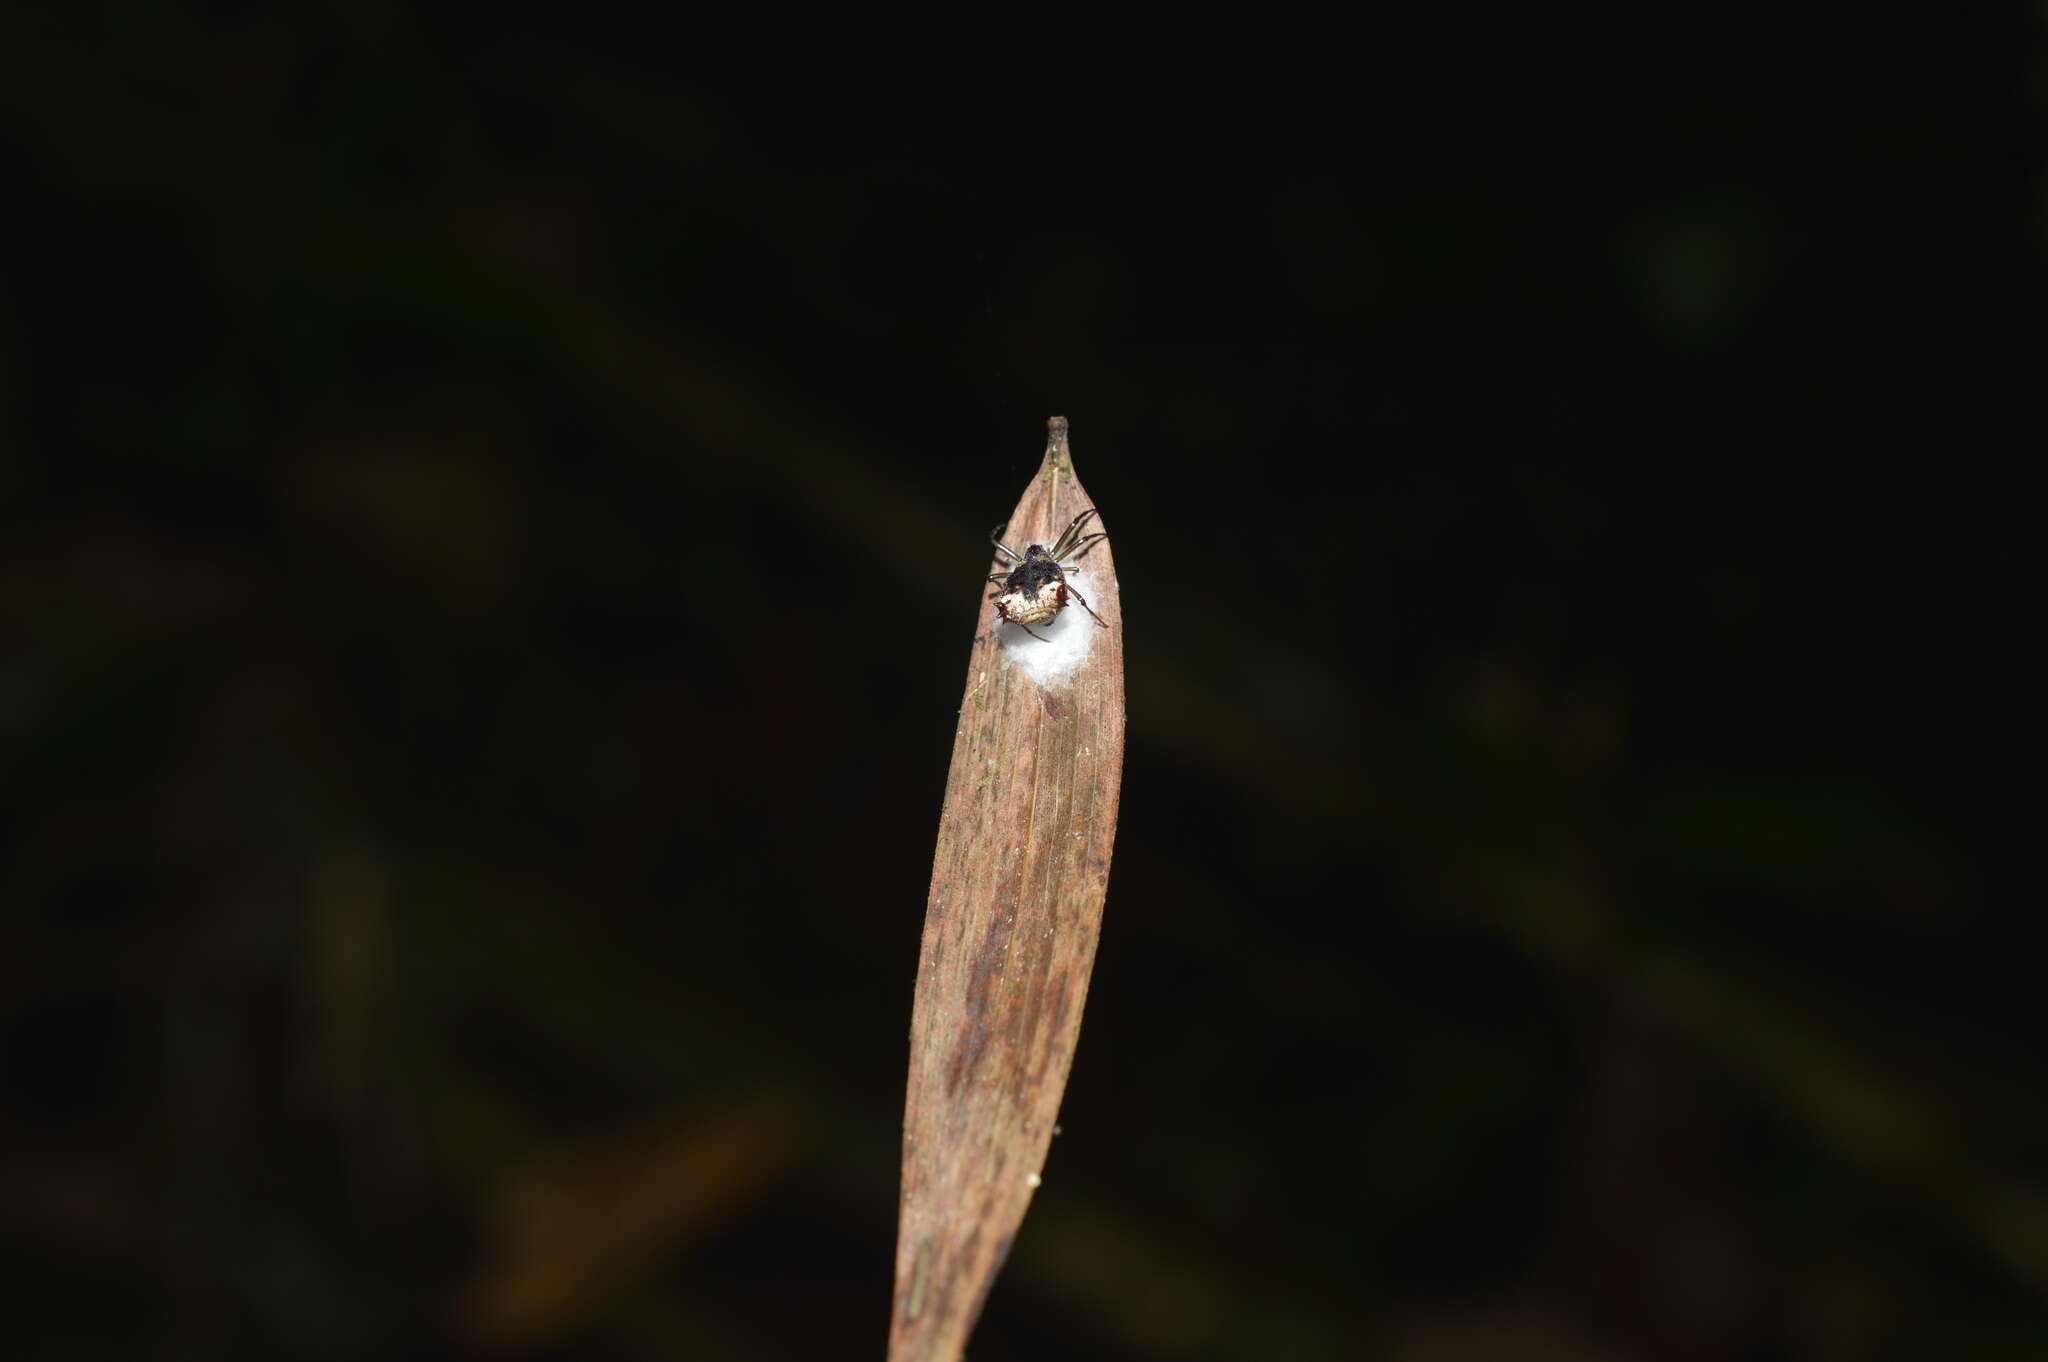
(1036, 589)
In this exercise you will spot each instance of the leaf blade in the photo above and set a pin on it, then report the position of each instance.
(1019, 876)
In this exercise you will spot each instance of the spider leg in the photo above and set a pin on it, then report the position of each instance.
(1033, 632)
(1083, 544)
(1010, 555)
(1084, 604)
(1071, 533)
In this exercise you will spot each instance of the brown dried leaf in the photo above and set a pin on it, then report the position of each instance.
(1009, 938)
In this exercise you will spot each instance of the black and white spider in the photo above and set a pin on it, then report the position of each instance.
(1036, 589)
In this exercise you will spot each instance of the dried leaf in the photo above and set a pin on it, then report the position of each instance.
(1018, 881)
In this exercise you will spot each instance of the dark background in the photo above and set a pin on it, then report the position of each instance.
(494, 515)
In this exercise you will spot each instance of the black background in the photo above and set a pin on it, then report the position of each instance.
(493, 530)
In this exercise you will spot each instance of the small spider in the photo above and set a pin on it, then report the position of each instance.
(1036, 589)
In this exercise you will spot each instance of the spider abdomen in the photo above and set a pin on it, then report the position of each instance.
(1032, 605)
